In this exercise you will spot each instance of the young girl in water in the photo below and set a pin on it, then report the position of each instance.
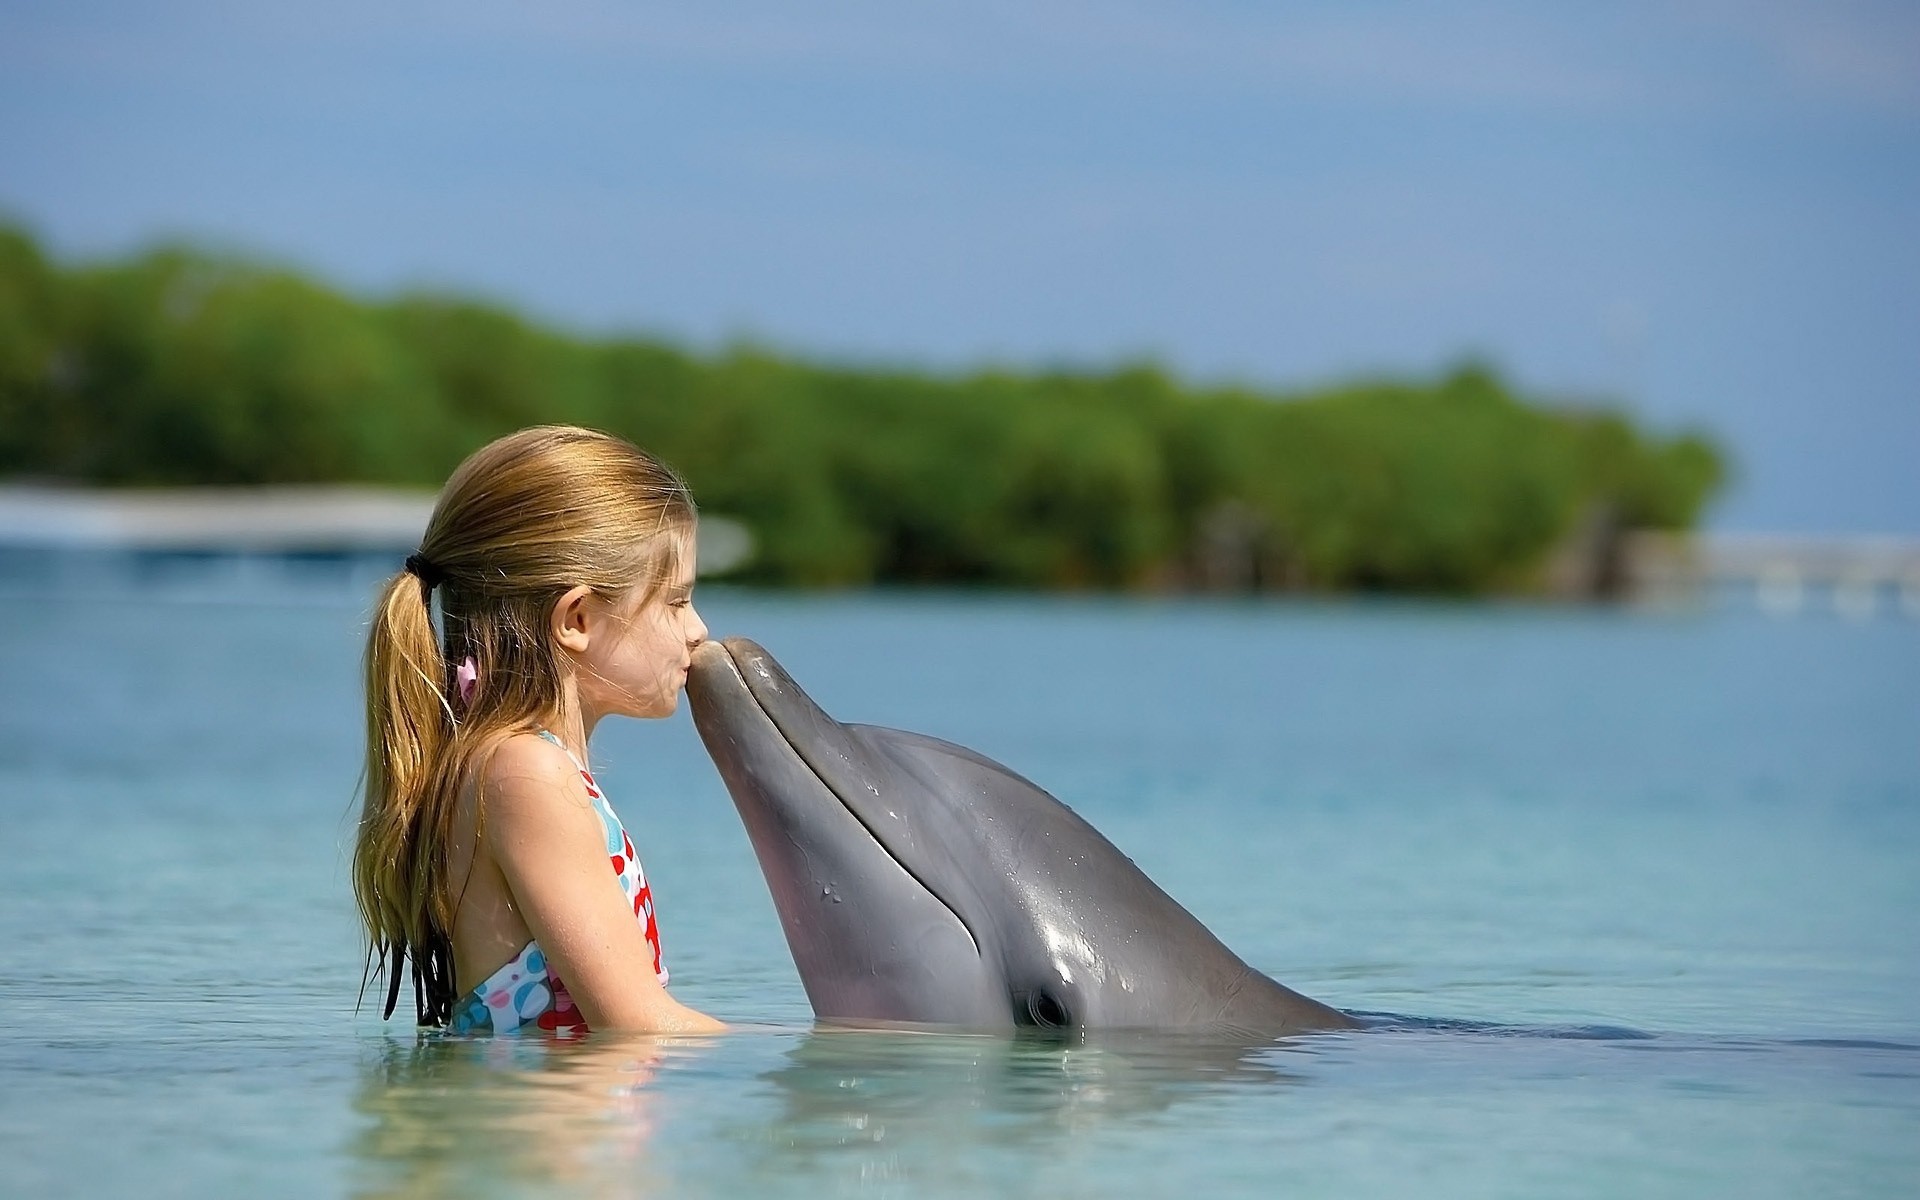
(562, 561)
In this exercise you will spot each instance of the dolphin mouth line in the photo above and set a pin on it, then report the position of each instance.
(873, 835)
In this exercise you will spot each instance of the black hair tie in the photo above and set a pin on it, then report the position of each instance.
(429, 575)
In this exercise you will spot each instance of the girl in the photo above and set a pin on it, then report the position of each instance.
(563, 563)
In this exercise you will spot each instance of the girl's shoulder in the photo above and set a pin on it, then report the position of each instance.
(523, 770)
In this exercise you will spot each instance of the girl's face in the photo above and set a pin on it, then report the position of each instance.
(636, 657)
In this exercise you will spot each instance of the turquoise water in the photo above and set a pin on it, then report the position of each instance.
(1643, 890)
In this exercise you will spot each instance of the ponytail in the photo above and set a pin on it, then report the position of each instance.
(410, 728)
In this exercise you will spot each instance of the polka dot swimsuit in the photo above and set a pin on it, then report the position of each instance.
(526, 991)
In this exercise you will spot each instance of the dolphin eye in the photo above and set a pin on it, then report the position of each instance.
(1043, 1010)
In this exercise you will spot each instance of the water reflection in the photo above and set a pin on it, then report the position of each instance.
(833, 1110)
(868, 1109)
(486, 1116)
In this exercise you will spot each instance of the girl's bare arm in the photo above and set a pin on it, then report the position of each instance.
(542, 830)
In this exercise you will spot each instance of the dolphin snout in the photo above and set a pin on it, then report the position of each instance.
(738, 676)
(708, 655)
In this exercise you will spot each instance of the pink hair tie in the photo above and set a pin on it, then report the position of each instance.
(466, 677)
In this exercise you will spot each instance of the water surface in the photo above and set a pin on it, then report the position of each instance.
(1641, 892)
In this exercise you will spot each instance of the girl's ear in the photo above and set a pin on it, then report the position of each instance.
(570, 619)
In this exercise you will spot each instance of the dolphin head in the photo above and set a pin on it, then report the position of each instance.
(920, 882)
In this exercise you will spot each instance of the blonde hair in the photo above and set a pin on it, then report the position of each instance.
(521, 521)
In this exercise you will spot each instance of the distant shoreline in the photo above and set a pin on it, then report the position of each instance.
(1853, 574)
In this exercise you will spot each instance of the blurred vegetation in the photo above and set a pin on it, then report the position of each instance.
(179, 367)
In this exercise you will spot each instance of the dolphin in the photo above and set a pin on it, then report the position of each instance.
(921, 883)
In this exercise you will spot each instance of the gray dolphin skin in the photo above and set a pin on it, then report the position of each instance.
(921, 883)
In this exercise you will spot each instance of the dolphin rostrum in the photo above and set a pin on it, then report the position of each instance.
(922, 883)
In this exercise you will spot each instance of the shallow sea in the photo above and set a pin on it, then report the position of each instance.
(1642, 891)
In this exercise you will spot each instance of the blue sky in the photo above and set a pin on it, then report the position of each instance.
(1707, 210)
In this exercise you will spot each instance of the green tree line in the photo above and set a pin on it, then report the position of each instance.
(181, 367)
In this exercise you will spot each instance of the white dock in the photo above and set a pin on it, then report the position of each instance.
(1782, 574)
(267, 520)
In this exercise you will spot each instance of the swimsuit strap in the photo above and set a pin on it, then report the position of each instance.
(550, 736)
